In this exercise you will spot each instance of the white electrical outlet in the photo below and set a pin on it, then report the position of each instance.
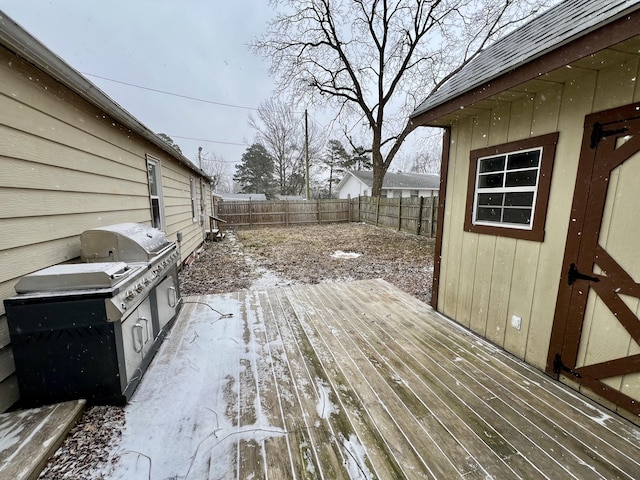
(516, 322)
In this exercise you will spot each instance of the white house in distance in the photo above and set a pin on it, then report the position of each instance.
(359, 183)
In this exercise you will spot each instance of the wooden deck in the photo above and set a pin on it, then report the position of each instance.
(356, 380)
(29, 437)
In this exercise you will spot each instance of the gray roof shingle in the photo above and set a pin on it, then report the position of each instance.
(559, 25)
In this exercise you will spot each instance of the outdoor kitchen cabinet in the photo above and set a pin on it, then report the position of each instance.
(89, 330)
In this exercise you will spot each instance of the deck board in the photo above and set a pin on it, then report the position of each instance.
(360, 380)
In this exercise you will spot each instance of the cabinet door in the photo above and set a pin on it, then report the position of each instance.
(137, 339)
(167, 297)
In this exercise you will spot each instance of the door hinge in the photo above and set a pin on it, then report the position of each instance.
(598, 133)
(559, 367)
(573, 274)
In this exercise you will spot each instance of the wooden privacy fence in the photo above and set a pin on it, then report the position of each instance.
(415, 215)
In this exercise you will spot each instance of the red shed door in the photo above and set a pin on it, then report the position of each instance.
(596, 335)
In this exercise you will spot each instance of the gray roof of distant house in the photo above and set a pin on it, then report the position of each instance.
(245, 197)
(558, 26)
(411, 181)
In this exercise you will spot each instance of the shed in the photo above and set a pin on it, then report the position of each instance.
(360, 182)
(72, 159)
(539, 212)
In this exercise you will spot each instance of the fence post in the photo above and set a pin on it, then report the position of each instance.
(318, 208)
(419, 226)
(400, 212)
(286, 213)
(433, 214)
(250, 210)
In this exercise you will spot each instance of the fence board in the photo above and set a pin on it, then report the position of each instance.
(415, 215)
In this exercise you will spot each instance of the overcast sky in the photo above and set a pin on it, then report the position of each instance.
(196, 48)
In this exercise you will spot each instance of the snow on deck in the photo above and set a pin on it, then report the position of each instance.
(353, 380)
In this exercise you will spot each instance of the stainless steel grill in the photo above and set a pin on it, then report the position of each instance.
(89, 330)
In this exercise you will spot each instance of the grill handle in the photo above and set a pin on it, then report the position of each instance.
(173, 297)
(137, 333)
(145, 329)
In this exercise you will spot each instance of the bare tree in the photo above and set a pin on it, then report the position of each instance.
(374, 60)
(281, 130)
(217, 168)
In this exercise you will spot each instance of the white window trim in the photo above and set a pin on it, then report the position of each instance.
(159, 196)
(194, 199)
(505, 190)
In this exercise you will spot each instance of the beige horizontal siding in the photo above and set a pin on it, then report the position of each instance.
(8, 392)
(4, 329)
(23, 202)
(7, 367)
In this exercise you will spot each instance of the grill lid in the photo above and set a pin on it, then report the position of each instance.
(123, 242)
(75, 276)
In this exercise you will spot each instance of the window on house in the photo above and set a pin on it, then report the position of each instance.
(194, 208)
(509, 188)
(202, 204)
(383, 193)
(414, 193)
(155, 193)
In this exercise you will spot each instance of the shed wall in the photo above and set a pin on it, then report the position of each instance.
(485, 279)
(66, 167)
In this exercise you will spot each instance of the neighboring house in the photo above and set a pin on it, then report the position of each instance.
(539, 219)
(357, 183)
(71, 159)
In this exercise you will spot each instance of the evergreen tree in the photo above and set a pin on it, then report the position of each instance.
(359, 160)
(336, 161)
(255, 173)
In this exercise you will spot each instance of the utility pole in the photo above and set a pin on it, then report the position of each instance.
(306, 144)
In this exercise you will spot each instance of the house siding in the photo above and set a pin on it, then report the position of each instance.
(485, 279)
(66, 167)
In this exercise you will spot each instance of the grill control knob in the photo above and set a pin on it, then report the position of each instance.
(139, 287)
(130, 294)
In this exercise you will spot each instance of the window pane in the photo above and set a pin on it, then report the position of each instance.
(525, 178)
(492, 164)
(488, 214)
(490, 199)
(493, 180)
(517, 215)
(152, 179)
(523, 160)
(155, 210)
(519, 199)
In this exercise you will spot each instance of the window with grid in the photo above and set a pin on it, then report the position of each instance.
(506, 187)
(509, 188)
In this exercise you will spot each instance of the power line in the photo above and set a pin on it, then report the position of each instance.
(208, 141)
(230, 105)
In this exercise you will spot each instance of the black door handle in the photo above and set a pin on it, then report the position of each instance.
(573, 274)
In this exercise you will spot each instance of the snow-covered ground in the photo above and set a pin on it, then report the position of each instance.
(179, 423)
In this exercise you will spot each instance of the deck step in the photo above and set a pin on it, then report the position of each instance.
(28, 438)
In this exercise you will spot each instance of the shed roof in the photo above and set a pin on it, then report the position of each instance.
(412, 181)
(17, 40)
(558, 26)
